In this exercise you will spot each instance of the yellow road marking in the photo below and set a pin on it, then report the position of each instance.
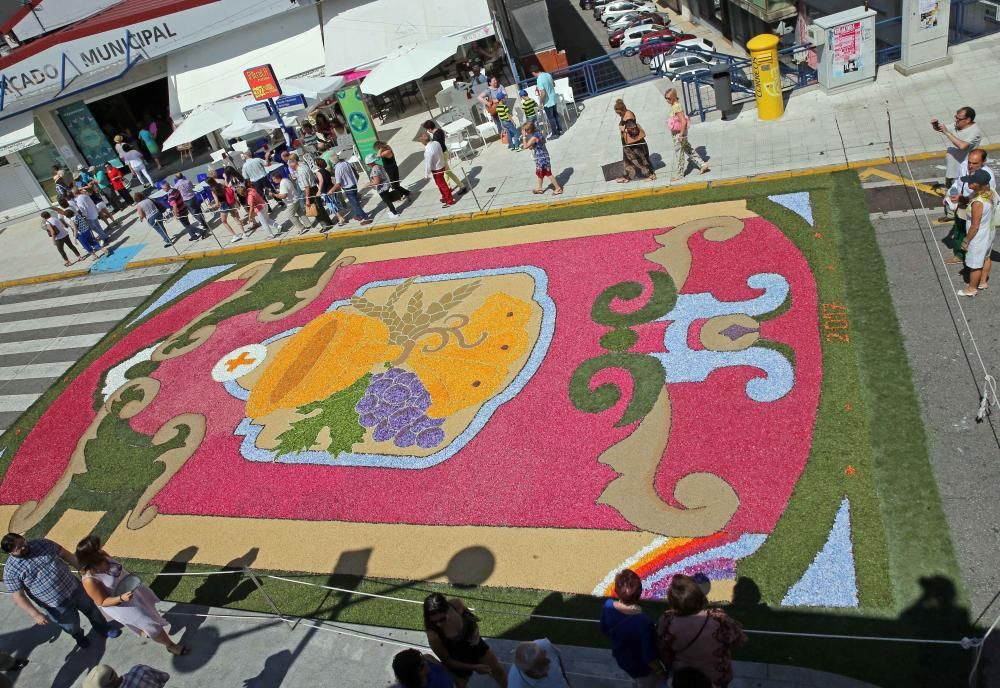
(889, 176)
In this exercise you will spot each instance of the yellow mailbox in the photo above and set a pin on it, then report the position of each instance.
(766, 75)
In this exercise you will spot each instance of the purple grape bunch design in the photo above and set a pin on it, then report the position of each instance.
(394, 406)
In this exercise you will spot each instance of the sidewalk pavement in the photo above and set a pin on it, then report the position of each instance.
(817, 130)
(241, 649)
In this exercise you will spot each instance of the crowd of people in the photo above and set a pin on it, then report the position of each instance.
(317, 183)
(691, 642)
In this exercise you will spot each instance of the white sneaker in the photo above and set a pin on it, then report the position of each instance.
(392, 215)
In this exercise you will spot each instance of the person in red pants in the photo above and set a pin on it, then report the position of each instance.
(434, 167)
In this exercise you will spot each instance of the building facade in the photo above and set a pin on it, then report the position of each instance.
(73, 73)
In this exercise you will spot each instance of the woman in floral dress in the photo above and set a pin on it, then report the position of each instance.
(535, 140)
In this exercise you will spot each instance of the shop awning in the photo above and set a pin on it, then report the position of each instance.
(292, 43)
(17, 132)
(242, 126)
(312, 87)
(410, 63)
(205, 119)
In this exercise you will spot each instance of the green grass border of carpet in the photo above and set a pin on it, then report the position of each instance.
(886, 415)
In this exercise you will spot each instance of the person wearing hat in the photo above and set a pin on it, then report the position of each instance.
(120, 146)
(957, 200)
(380, 180)
(82, 175)
(978, 244)
(139, 676)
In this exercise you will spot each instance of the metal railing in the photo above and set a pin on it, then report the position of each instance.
(699, 92)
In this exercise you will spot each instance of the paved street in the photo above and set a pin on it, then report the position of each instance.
(237, 649)
(46, 328)
(947, 372)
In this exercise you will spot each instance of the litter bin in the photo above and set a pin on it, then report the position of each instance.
(722, 84)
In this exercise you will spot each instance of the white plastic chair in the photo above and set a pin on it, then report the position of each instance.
(446, 84)
(487, 130)
(458, 145)
(241, 146)
(564, 92)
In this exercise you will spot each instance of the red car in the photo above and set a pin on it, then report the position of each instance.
(615, 38)
(660, 42)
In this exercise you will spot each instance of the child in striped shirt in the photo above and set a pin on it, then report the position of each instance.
(530, 108)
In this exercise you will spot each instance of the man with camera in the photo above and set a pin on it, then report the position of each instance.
(965, 137)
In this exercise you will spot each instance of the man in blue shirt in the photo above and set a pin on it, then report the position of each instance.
(38, 570)
(547, 94)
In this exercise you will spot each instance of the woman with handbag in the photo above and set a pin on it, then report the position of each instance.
(678, 124)
(689, 634)
(136, 609)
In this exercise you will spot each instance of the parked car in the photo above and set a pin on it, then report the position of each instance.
(703, 44)
(636, 18)
(611, 14)
(670, 65)
(615, 39)
(632, 39)
(598, 6)
(660, 42)
(601, 10)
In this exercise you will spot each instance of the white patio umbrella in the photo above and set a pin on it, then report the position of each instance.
(205, 119)
(242, 126)
(312, 87)
(409, 63)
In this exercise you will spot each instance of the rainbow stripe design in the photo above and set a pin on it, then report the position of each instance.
(713, 556)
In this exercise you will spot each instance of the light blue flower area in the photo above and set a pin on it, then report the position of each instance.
(798, 203)
(831, 580)
(117, 260)
(184, 284)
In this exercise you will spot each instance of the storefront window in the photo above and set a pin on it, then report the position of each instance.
(40, 158)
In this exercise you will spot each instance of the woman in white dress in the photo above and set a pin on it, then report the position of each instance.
(136, 610)
(978, 244)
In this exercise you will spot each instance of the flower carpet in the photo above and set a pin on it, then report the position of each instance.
(675, 390)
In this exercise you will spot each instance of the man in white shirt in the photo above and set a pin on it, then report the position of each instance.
(85, 204)
(255, 172)
(345, 180)
(289, 192)
(137, 164)
(537, 664)
(434, 167)
(966, 137)
(957, 201)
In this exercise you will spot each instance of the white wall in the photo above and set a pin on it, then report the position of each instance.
(38, 75)
(213, 70)
(360, 32)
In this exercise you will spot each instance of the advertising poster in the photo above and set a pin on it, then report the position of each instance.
(87, 134)
(847, 42)
(358, 119)
(929, 14)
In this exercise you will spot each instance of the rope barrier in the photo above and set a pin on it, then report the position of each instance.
(965, 643)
